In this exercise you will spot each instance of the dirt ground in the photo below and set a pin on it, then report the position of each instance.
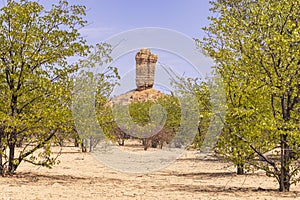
(80, 176)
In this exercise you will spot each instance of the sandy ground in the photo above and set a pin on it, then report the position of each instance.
(81, 176)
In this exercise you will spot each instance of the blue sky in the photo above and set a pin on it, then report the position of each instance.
(106, 18)
(109, 17)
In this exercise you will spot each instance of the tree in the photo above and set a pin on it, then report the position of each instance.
(35, 78)
(245, 107)
(136, 121)
(256, 44)
(141, 114)
(200, 90)
(91, 93)
(155, 121)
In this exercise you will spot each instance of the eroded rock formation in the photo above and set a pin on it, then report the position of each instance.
(145, 69)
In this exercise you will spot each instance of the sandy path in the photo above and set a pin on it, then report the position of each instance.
(80, 176)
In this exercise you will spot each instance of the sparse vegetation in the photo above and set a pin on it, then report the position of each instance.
(49, 100)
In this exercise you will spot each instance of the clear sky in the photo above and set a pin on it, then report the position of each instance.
(107, 18)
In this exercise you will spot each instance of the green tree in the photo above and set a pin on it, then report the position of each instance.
(135, 119)
(256, 48)
(245, 107)
(34, 76)
(200, 90)
(91, 93)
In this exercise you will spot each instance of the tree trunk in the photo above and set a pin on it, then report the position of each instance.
(121, 142)
(91, 143)
(1, 150)
(1, 161)
(1, 166)
(12, 136)
(240, 169)
(11, 165)
(146, 143)
(83, 145)
(76, 143)
(284, 179)
(154, 143)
